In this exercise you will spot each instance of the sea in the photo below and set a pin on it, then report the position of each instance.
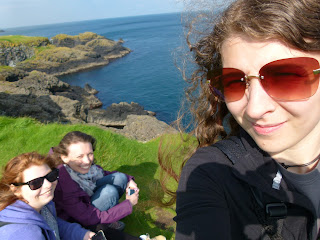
(148, 75)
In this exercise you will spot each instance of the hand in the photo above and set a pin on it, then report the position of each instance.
(134, 197)
(88, 235)
(132, 184)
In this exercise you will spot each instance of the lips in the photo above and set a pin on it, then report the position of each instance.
(49, 192)
(85, 167)
(266, 129)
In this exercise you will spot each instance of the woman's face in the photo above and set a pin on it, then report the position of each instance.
(280, 128)
(39, 197)
(80, 157)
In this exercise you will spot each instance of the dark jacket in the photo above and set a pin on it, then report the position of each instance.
(74, 205)
(28, 224)
(215, 199)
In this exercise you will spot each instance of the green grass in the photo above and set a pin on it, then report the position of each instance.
(15, 40)
(113, 152)
(5, 68)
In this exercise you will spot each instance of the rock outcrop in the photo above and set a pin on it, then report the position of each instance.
(46, 98)
(13, 53)
(116, 114)
(62, 54)
(30, 86)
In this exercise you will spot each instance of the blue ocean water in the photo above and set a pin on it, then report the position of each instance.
(147, 75)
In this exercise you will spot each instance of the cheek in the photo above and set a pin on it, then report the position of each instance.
(72, 163)
(28, 194)
(302, 109)
(237, 108)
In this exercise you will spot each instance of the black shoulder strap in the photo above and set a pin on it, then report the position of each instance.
(271, 215)
(232, 148)
(6, 223)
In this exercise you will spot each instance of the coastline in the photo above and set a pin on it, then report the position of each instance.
(30, 86)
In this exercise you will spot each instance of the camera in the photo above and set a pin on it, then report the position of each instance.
(99, 236)
(131, 191)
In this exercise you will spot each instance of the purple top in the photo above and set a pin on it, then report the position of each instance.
(28, 224)
(73, 204)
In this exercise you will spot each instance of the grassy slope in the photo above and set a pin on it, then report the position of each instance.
(113, 152)
(19, 39)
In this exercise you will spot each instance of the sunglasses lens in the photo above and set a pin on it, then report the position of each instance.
(290, 79)
(53, 175)
(233, 83)
(36, 183)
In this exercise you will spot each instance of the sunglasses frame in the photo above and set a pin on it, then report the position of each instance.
(44, 177)
(215, 84)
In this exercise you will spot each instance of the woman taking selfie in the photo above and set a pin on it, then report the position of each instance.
(258, 72)
(26, 208)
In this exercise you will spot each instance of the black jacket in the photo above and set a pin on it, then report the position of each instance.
(215, 198)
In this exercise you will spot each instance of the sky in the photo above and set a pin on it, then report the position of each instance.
(18, 13)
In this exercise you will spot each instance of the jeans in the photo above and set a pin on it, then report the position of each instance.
(109, 190)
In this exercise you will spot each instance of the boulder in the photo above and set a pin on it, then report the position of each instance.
(39, 83)
(90, 89)
(116, 114)
(144, 128)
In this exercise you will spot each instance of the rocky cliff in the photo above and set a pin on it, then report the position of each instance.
(46, 98)
(30, 87)
(64, 54)
(12, 53)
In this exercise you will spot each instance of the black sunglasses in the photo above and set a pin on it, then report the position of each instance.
(38, 182)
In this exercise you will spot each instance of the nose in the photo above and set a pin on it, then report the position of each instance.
(46, 183)
(86, 159)
(259, 102)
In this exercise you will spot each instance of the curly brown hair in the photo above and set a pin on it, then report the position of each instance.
(293, 22)
(12, 173)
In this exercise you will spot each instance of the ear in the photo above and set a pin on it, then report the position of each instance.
(64, 158)
(16, 191)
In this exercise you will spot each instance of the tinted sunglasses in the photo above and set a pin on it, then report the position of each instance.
(284, 80)
(38, 182)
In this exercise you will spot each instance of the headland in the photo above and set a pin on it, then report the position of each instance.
(29, 84)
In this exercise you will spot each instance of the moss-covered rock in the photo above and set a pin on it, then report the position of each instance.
(64, 40)
(15, 49)
(11, 74)
(65, 54)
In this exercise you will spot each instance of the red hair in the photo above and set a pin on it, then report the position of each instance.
(13, 173)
